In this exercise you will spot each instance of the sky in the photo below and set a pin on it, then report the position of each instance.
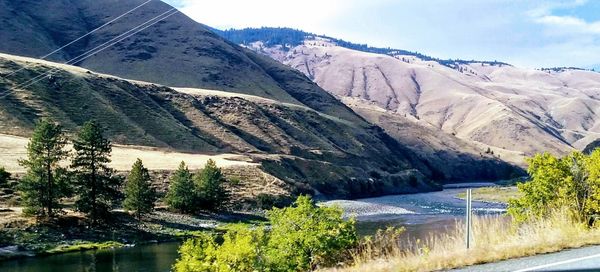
(528, 33)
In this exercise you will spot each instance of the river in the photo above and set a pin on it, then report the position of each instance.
(420, 214)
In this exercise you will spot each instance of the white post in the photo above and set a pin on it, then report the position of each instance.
(468, 221)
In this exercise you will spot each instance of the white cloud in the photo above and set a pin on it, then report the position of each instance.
(564, 25)
(569, 24)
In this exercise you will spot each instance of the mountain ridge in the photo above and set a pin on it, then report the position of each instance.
(488, 104)
(293, 37)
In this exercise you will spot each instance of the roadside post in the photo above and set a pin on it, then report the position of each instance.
(468, 219)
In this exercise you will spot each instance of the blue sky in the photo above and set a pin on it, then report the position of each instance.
(532, 33)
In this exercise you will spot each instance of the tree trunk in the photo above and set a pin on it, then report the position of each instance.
(93, 197)
(49, 177)
(93, 185)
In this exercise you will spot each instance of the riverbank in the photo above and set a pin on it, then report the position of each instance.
(22, 236)
(494, 239)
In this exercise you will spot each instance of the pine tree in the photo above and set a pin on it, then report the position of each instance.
(4, 176)
(139, 194)
(46, 181)
(209, 183)
(96, 184)
(182, 194)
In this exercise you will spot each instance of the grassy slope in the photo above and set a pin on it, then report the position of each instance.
(304, 147)
(175, 52)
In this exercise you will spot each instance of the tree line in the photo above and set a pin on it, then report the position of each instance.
(96, 187)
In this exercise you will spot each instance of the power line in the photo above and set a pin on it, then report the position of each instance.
(85, 35)
(99, 48)
(79, 59)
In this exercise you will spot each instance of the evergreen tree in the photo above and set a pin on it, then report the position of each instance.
(4, 176)
(209, 183)
(96, 185)
(45, 182)
(139, 194)
(182, 194)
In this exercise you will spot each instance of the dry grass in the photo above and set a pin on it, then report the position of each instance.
(12, 148)
(494, 239)
(493, 194)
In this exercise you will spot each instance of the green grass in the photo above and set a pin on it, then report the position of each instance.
(493, 194)
(81, 246)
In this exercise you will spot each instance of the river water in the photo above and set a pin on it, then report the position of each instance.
(421, 214)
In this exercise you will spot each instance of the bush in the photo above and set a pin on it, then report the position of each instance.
(571, 182)
(305, 236)
(268, 201)
(302, 237)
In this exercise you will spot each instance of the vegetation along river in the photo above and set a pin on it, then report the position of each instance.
(420, 214)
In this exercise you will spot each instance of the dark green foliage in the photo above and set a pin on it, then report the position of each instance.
(46, 181)
(270, 36)
(139, 194)
(268, 201)
(304, 237)
(4, 176)
(203, 190)
(209, 185)
(182, 194)
(97, 186)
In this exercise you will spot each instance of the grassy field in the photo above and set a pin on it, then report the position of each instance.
(494, 239)
(12, 148)
(493, 194)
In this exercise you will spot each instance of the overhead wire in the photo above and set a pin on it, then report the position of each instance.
(99, 48)
(85, 35)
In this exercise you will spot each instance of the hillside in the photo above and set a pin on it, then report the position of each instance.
(515, 112)
(176, 51)
(312, 151)
(298, 131)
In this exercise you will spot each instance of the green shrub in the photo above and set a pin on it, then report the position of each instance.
(235, 181)
(305, 236)
(301, 238)
(268, 201)
(571, 182)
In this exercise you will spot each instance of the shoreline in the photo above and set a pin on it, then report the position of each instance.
(25, 238)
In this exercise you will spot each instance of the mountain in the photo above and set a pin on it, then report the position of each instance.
(313, 151)
(514, 112)
(174, 52)
(179, 86)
